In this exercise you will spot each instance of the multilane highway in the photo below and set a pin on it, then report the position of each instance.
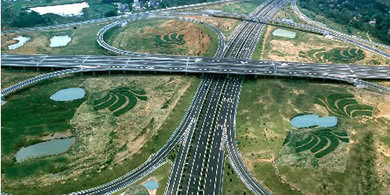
(199, 166)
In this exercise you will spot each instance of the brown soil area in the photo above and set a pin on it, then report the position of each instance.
(225, 25)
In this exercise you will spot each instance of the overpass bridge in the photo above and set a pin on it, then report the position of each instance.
(196, 65)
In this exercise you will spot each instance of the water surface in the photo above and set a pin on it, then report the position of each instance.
(74, 9)
(284, 33)
(309, 120)
(55, 146)
(151, 185)
(21, 41)
(68, 94)
(59, 41)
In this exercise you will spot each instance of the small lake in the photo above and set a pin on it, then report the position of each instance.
(21, 41)
(309, 120)
(59, 41)
(74, 9)
(68, 94)
(284, 33)
(151, 185)
(289, 20)
(55, 146)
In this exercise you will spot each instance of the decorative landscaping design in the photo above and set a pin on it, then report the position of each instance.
(169, 39)
(320, 142)
(344, 106)
(336, 55)
(120, 100)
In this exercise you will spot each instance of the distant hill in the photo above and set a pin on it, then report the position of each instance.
(366, 15)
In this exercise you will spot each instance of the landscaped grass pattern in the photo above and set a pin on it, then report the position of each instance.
(344, 106)
(320, 142)
(336, 55)
(120, 100)
(168, 40)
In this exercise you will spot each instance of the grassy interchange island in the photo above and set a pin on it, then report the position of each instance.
(125, 117)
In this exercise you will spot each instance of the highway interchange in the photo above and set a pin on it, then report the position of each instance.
(209, 124)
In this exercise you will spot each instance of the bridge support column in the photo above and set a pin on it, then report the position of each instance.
(124, 72)
(37, 68)
(24, 69)
(109, 72)
(93, 73)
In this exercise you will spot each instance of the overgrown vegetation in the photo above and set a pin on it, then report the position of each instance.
(367, 16)
(232, 184)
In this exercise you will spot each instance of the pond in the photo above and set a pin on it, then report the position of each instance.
(74, 9)
(151, 185)
(68, 94)
(284, 33)
(21, 41)
(309, 120)
(59, 41)
(55, 146)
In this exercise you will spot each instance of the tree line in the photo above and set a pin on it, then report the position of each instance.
(371, 16)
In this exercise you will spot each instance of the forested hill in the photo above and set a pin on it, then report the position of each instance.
(371, 16)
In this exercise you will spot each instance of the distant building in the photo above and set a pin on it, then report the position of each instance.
(154, 3)
(137, 4)
(372, 22)
(123, 7)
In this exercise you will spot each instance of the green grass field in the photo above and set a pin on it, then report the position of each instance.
(39, 121)
(160, 36)
(245, 7)
(232, 183)
(263, 124)
(83, 42)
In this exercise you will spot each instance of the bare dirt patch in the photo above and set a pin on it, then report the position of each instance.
(225, 25)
